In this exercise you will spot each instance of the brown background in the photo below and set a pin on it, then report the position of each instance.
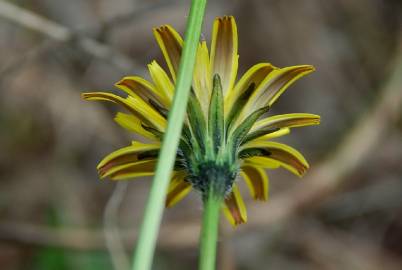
(344, 214)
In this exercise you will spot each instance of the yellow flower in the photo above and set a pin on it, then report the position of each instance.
(227, 134)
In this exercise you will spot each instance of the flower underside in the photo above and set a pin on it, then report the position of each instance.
(227, 133)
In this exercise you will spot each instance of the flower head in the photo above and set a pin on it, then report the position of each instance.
(227, 133)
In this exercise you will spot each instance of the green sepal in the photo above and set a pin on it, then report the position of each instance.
(216, 122)
(240, 133)
(186, 133)
(196, 120)
(238, 106)
(179, 165)
(259, 133)
(185, 150)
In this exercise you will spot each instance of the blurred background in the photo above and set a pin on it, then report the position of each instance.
(55, 213)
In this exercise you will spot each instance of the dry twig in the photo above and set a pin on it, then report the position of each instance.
(61, 33)
(113, 239)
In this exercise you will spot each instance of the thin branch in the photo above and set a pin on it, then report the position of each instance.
(141, 11)
(114, 243)
(55, 31)
(340, 250)
(25, 58)
(173, 236)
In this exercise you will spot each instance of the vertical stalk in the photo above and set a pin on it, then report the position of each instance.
(209, 231)
(154, 209)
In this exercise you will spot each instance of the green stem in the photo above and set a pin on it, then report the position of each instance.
(209, 231)
(154, 209)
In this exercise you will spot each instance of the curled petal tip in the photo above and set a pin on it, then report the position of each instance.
(84, 96)
(307, 68)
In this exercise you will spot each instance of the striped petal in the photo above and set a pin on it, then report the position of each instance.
(265, 134)
(132, 170)
(234, 207)
(171, 45)
(135, 105)
(261, 162)
(124, 156)
(137, 86)
(162, 82)
(178, 188)
(287, 121)
(224, 57)
(273, 86)
(133, 124)
(255, 75)
(202, 77)
(286, 156)
(257, 182)
(276, 134)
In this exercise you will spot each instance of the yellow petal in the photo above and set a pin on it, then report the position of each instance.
(261, 162)
(133, 124)
(234, 207)
(202, 77)
(135, 105)
(276, 134)
(124, 156)
(148, 114)
(273, 86)
(255, 75)
(289, 120)
(162, 82)
(257, 181)
(103, 96)
(171, 45)
(288, 157)
(278, 81)
(178, 189)
(132, 170)
(137, 86)
(224, 57)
